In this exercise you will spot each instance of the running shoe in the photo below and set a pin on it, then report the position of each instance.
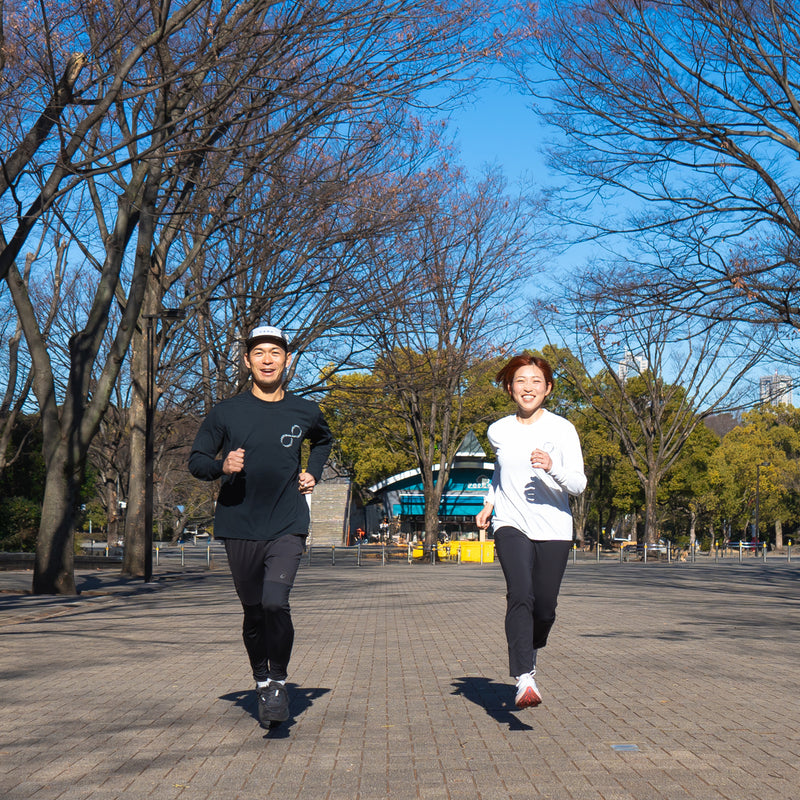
(273, 703)
(527, 692)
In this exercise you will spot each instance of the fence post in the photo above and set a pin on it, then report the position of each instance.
(358, 555)
(383, 556)
(740, 551)
(598, 549)
(410, 556)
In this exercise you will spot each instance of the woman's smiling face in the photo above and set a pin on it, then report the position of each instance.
(529, 388)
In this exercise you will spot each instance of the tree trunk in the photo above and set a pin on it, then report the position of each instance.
(55, 558)
(650, 509)
(431, 523)
(778, 535)
(133, 559)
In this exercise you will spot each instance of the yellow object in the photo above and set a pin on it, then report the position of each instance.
(470, 551)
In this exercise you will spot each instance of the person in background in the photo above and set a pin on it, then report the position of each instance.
(252, 442)
(539, 465)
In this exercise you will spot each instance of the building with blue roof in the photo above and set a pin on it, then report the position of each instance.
(401, 500)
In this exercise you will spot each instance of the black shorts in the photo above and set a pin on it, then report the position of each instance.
(254, 563)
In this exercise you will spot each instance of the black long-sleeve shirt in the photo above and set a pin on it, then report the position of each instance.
(262, 501)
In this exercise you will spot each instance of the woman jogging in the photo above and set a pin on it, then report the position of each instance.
(539, 464)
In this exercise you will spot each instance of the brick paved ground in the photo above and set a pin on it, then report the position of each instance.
(399, 688)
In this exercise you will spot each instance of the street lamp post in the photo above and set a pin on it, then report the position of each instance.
(170, 314)
(758, 483)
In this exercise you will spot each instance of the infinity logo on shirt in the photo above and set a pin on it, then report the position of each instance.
(287, 440)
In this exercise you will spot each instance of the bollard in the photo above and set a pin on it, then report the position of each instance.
(481, 553)
(598, 549)
(740, 551)
(182, 561)
(358, 555)
(410, 556)
(575, 550)
(789, 551)
(645, 553)
(156, 555)
(764, 552)
(333, 555)
(208, 556)
(383, 556)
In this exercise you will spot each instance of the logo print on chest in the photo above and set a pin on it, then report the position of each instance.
(287, 440)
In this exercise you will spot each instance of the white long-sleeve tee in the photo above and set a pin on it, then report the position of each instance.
(534, 501)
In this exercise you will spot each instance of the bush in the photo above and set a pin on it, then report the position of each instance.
(19, 524)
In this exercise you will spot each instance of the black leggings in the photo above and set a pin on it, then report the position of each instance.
(533, 572)
(263, 573)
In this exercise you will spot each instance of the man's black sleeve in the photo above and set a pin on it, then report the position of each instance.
(321, 443)
(203, 461)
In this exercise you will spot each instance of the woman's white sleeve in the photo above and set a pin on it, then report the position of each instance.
(569, 473)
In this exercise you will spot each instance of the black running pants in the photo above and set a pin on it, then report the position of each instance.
(533, 572)
(263, 574)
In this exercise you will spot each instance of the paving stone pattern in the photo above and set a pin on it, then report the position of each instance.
(660, 681)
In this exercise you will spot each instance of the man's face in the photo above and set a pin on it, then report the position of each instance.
(266, 362)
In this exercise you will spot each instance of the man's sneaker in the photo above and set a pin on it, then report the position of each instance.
(273, 703)
(527, 692)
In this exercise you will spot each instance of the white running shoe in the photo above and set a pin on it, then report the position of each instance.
(527, 692)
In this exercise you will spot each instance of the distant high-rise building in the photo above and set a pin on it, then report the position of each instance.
(639, 364)
(775, 389)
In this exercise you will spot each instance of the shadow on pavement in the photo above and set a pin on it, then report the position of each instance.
(300, 700)
(497, 699)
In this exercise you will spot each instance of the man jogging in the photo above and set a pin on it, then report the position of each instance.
(252, 442)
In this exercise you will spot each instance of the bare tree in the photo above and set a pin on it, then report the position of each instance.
(680, 141)
(455, 275)
(17, 370)
(138, 99)
(653, 375)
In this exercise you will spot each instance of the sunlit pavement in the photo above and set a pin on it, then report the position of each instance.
(660, 681)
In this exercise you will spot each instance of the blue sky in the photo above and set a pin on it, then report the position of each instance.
(499, 128)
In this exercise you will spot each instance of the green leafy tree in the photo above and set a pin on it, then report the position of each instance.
(372, 437)
(761, 453)
(686, 489)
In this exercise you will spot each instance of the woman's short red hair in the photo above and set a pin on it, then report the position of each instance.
(506, 374)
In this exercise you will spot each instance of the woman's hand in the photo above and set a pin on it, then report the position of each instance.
(540, 459)
(484, 516)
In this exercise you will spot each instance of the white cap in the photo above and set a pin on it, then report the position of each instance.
(266, 333)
